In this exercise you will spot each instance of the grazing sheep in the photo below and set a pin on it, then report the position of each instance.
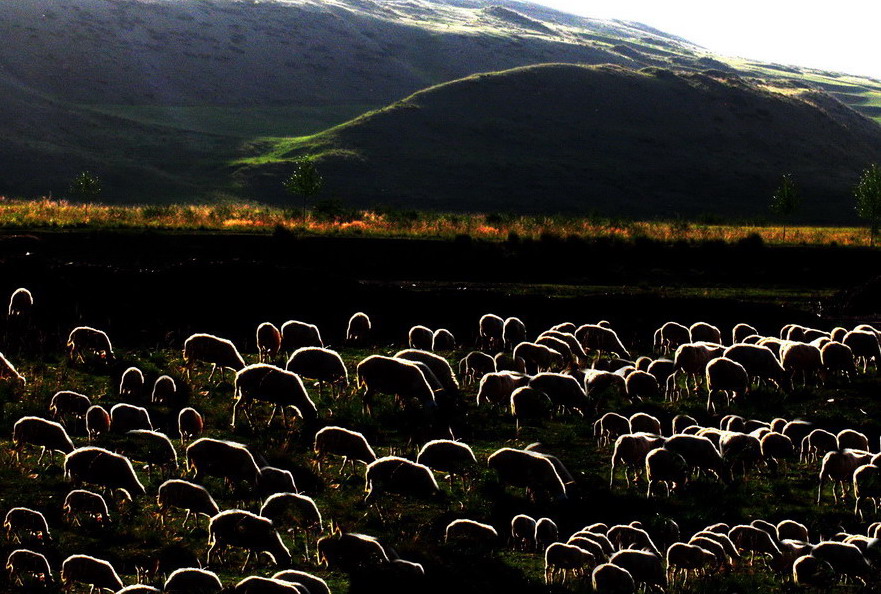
(740, 451)
(597, 382)
(569, 560)
(191, 579)
(740, 332)
(86, 569)
(808, 571)
(523, 532)
(609, 427)
(338, 441)
(644, 423)
(189, 424)
(546, 532)
(439, 366)
(496, 388)
(608, 578)
(420, 337)
(600, 339)
(443, 455)
(69, 404)
(838, 360)
(725, 375)
(91, 504)
(866, 485)
(223, 459)
(313, 583)
(713, 547)
(394, 377)
(529, 404)
(845, 559)
(271, 480)
(472, 532)
(322, 365)
(296, 334)
(776, 447)
(704, 332)
(538, 357)
(664, 466)
(239, 528)
(45, 434)
(442, 340)
(754, 540)
(268, 341)
(522, 468)
(795, 430)
(838, 467)
(790, 529)
(290, 510)
(491, 332)
(207, 348)
(864, 345)
(100, 467)
(669, 336)
(681, 422)
(849, 438)
(125, 417)
(631, 537)
(474, 366)
(195, 499)
(274, 385)
(691, 359)
(687, 558)
(23, 522)
(350, 551)
(630, 451)
(564, 391)
(645, 567)
(640, 385)
(560, 346)
(699, 452)
(506, 362)
(164, 390)
(97, 421)
(513, 333)
(20, 303)
(393, 474)
(22, 562)
(260, 585)
(84, 340)
(801, 358)
(131, 385)
(568, 338)
(358, 328)
(760, 363)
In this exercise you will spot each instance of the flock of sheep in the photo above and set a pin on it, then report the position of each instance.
(567, 372)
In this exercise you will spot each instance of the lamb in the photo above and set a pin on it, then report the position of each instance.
(521, 468)
(563, 390)
(725, 375)
(839, 466)
(350, 551)
(760, 364)
(687, 558)
(313, 583)
(496, 388)
(741, 331)
(35, 431)
(223, 459)
(866, 485)
(640, 385)
(691, 359)
(97, 421)
(670, 336)
(631, 450)
(523, 532)
(207, 348)
(513, 333)
(396, 377)
(610, 426)
(239, 528)
(189, 424)
(268, 341)
(66, 403)
(322, 365)
(180, 494)
(608, 578)
(86, 569)
(472, 532)
(644, 423)
(845, 559)
(260, 585)
(20, 304)
(84, 340)
(22, 562)
(351, 445)
(296, 334)
(491, 332)
(393, 474)
(272, 480)
(125, 417)
(420, 337)
(801, 358)
(662, 465)
(164, 390)
(849, 438)
(442, 340)
(600, 339)
(529, 404)
(538, 357)
(475, 365)
(566, 559)
(838, 359)
(131, 385)
(292, 510)
(438, 365)
(358, 328)
(272, 384)
(91, 504)
(25, 523)
(102, 468)
(864, 345)
(191, 579)
(644, 566)
(443, 455)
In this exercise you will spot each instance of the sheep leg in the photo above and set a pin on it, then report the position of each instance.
(272, 415)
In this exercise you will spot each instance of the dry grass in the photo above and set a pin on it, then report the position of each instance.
(257, 218)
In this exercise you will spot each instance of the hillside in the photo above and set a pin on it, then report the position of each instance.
(604, 138)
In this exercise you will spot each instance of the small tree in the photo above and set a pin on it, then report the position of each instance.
(305, 181)
(785, 200)
(85, 186)
(868, 195)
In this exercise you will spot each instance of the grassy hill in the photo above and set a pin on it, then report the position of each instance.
(600, 138)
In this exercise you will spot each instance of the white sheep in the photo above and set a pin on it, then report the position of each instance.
(838, 467)
(566, 559)
(471, 531)
(313, 583)
(523, 532)
(491, 332)
(213, 350)
(608, 578)
(442, 340)
(727, 376)
(338, 441)
(322, 365)
(131, 384)
(85, 340)
(296, 334)
(274, 385)
(394, 377)
(23, 563)
(646, 567)
(103, 468)
(223, 459)
(192, 579)
(513, 332)
(687, 559)
(268, 341)
(86, 569)
(23, 522)
(80, 502)
(630, 451)
(180, 494)
(522, 468)
(42, 433)
(393, 474)
(20, 303)
(239, 528)
(358, 329)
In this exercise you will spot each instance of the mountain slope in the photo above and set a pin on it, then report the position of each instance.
(603, 138)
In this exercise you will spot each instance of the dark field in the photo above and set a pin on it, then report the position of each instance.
(150, 291)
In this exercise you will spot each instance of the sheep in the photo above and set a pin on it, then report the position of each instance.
(20, 303)
(191, 579)
(596, 382)
(691, 359)
(704, 332)
(838, 359)
(207, 348)
(322, 365)
(608, 578)
(239, 528)
(645, 567)
(681, 422)
(296, 334)
(189, 424)
(164, 390)
(733, 423)
(626, 536)
(513, 333)
(566, 559)
(395, 377)
(22, 562)
(91, 504)
(472, 532)
(760, 364)
(726, 376)
(740, 450)
(567, 338)
(358, 329)
(84, 340)
(420, 337)
(23, 522)
(662, 465)
(223, 459)
(600, 339)
(610, 426)
(790, 529)
(97, 421)
(754, 540)
(640, 385)
(838, 467)
(442, 340)
(699, 452)
(561, 469)
(669, 336)
(801, 358)
(274, 385)
(720, 537)
(439, 366)
(268, 341)
(718, 551)
(522, 468)
(529, 404)
(538, 357)
(776, 447)
(631, 450)
(506, 362)
(845, 559)
(496, 388)
(795, 430)
(849, 438)
(563, 390)
(125, 417)
(866, 485)
(35, 431)
(260, 585)
(271, 480)
(560, 346)
(350, 551)
(687, 558)
(86, 569)
(313, 583)
(443, 455)
(588, 544)
(864, 345)
(808, 571)
(131, 385)
(66, 403)
(338, 441)
(523, 532)
(292, 510)
(741, 331)
(393, 474)
(103, 468)
(474, 366)
(491, 329)
(546, 532)
(644, 423)
(180, 494)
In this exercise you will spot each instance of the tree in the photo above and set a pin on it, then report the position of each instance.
(868, 195)
(85, 186)
(305, 181)
(785, 200)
